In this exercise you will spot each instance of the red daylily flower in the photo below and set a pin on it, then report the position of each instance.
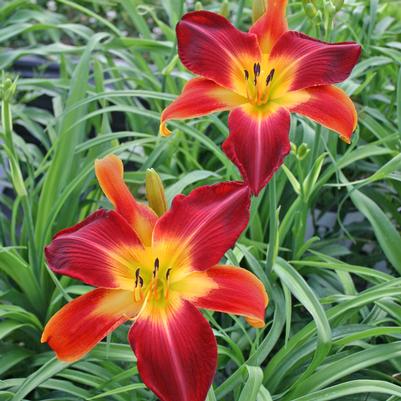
(261, 76)
(157, 272)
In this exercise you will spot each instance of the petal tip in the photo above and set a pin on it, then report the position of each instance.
(108, 164)
(256, 323)
(44, 337)
(164, 131)
(345, 139)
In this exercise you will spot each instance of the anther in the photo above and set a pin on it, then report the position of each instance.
(138, 280)
(269, 78)
(166, 291)
(256, 72)
(256, 69)
(246, 74)
(137, 277)
(156, 267)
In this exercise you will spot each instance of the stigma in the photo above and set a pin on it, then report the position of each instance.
(257, 88)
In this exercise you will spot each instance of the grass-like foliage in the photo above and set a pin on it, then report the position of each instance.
(324, 235)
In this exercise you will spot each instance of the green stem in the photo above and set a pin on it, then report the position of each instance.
(273, 226)
(315, 147)
(18, 182)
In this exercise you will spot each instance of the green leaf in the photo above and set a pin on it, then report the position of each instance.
(48, 370)
(252, 385)
(387, 236)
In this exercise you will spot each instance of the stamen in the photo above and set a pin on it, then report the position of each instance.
(156, 267)
(137, 276)
(138, 294)
(269, 78)
(256, 72)
(256, 69)
(138, 290)
(167, 283)
(246, 74)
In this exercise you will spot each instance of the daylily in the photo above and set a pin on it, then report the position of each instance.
(156, 271)
(261, 76)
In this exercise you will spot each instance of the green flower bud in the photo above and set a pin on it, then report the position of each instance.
(155, 192)
(303, 151)
(16, 177)
(310, 10)
(7, 88)
(258, 9)
(198, 6)
(225, 9)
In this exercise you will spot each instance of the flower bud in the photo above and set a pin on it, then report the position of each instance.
(7, 88)
(198, 6)
(155, 192)
(258, 9)
(16, 177)
(225, 9)
(303, 151)
(310, 10)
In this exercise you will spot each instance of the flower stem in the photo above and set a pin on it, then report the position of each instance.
(16, 175)
(273, 226)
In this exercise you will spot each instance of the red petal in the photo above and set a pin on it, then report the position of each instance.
(271, 25)
(238, 292)
(200, 96)
(209, 45)
(176, 357)
(258, 143)
(331, 107)
(110, 174)
(205, 224)
(302, 61)
(98, 251)
(75, 329)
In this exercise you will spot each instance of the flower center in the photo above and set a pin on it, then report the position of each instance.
(155, 287)
(257, 85)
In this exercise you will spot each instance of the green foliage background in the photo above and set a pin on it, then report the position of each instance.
(324, 237)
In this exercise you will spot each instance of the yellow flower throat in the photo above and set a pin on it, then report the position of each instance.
(257, 86)
(156, 287)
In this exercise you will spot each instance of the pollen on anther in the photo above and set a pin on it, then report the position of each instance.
(168, 273)
(246, 73)
(256, 69)
(269, 78)
(137, 277)
(156, 267)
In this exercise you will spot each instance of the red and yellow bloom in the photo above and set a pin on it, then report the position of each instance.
(261, 76)
(156, 271)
